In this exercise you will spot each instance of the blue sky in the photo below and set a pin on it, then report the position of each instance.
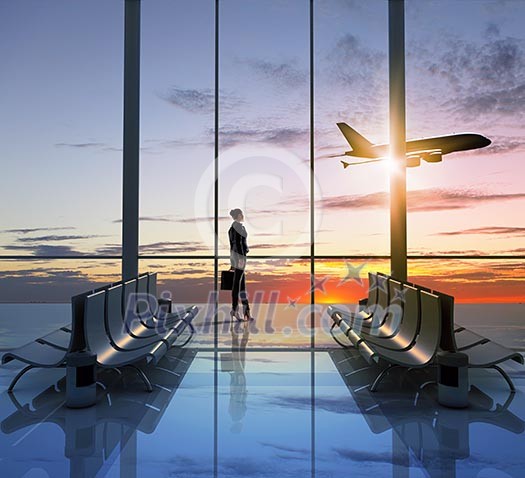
(61, 125)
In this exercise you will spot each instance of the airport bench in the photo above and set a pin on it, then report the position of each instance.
(107, 321)
(412, 328)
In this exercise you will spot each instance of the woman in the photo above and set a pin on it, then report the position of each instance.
(238, 250)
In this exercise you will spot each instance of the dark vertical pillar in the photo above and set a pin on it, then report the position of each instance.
(216, 254)
(398, 214)
(131, 142)
(128, 453)
(216, 165)
(400, 457)
(312, 177)
(312, 244)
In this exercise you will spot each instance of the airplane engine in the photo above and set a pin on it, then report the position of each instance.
(433, 157)
(413, 161)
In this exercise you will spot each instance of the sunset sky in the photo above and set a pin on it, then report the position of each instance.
(61, 142)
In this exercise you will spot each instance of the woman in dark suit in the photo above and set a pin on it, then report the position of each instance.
(238, 250)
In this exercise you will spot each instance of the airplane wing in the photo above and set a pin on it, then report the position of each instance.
(345, 164)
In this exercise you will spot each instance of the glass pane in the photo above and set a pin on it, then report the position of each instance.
(489, 294)
(35, 296)
(265, 409)
(61, 127)
(351, 86)
(264, 123)
(343, 283)
(472, 281)
(187, 283)
(53, 281)
(279, 298)
(177, 104)
(467, 76)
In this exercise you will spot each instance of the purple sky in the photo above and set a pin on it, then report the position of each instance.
(61, 125)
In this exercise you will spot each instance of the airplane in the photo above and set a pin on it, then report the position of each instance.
(430, 150)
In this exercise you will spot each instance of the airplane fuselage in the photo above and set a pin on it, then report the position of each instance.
(444, 144)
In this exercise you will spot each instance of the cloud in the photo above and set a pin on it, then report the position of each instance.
(148, 219)
(283, 245)
(36, 229)
(339, 405)
(186, 220)
(492, 30)
(497, 230)
(55, 238)
(44, 250)
(48, 283)
(80, 145)
(501, 144)
(422, 200)
(470, 252)
(351, 80)
(350, 52)
(468, 78)
(173, 247)
(509, 101)
(519, 250)
(286, 448)
(109, 250)
(200, 100)
(494, 64)
(364, 456)
(230, 136)
(283, 73)
(233, 136)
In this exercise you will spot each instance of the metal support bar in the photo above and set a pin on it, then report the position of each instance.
(143, 376)
(18, 377)
(381, 375)
(131, 141)
(398, 214)
(506, 377)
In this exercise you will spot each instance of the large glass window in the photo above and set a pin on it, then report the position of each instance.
(279, 296)
(351, 86)
(264, 123)
(61, 141)
(465, 63)
(177, 105)
(61, 127)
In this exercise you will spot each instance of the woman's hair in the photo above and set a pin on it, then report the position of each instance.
(235, 212)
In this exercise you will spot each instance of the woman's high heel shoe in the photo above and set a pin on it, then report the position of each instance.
(248, 316)
(234, 314)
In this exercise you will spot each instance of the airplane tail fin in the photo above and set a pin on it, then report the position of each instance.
(355, 140)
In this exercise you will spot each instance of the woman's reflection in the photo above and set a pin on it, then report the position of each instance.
(237, 409)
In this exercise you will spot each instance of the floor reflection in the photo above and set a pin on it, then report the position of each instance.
(436, 436)
(93, 437)
(234, 363)
(237, 412)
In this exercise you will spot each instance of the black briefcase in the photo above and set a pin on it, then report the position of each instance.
(227, 280)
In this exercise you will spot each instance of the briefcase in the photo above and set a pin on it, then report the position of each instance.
(227, 280)
(227, 362)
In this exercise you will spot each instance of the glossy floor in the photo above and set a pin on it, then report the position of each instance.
(236, 413)
(277, 325)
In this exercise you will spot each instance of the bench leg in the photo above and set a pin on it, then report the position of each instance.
(143, 376)
(506, 377)
(381, 375)
(18, 377)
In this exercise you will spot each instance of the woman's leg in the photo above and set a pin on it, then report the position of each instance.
(244, 294)
(237, 275)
